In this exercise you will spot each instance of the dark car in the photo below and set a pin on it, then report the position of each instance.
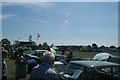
(32, 62)
(37, 53)
(114, 59)
(91, 70)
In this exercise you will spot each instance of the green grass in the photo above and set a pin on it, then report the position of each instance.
(11, 68)
(83, 55)
(90, 55)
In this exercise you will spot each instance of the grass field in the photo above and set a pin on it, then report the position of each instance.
(83, 55)
(11, 69)
(89, 55)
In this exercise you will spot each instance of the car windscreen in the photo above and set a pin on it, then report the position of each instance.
(73, 70)
(108, 73)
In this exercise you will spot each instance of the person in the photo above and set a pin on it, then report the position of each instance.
(69, 56)
(4, 65)
(6, 47)
(63, 52)
(20, 63)
(51, 50)
(29, 49)
(44, 71)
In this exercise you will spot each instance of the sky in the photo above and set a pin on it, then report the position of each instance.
(61, 23)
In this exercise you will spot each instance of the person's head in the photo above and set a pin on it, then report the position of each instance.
(20, 51)
(48, 57)
(4, 53)
(48, 48)
(71, 51)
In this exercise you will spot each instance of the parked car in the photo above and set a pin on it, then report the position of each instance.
(114, 59)
(101, 56)
(37, 53)
(40, 52)
(32, 62)
(91, 70)
(59, 63)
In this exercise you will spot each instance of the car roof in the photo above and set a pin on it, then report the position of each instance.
(41, 50)
(94, 63)
(101, 56)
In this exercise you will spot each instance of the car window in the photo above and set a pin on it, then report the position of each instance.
(39, 53)
(73, 68)
(105, 70)
(57, 58)
(102, 73)
(116, 71)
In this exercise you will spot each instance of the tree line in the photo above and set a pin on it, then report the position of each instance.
(89, 48)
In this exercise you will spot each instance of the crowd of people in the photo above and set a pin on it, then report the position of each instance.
(43, 71)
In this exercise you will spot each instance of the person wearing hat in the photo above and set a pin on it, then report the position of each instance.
(4, 65)
(69, 56)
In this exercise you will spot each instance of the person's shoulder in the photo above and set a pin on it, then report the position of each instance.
(35, 69)
(53, 71)
(54, 74)
(36, 66)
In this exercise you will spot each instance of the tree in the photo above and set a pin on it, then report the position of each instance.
(112, 47)
(118, 49)
(5, 41)
(94, 47)
(84, 49)
(102, 48)
(89, 48)
(40, 45)
(45, 46)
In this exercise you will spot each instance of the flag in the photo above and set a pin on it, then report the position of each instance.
(30, 38)
(19, 39)
(38, 36)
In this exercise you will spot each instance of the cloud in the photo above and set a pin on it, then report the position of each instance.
(40, 20)
(29, 4)
(34, 6)
(6, 16)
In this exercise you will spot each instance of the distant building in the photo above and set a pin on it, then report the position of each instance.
(25, 44)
